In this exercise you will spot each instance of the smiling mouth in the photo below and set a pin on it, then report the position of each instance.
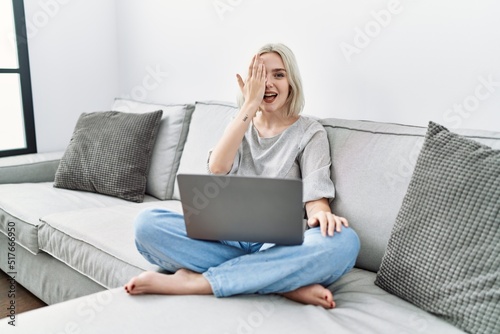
(270, 97)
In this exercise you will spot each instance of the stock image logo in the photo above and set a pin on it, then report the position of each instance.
(224, 6)
(372, 29)
(12, 273)
(463, 110)
(202, 198)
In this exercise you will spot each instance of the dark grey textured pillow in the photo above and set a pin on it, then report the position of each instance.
(444, 251)
(110, 153)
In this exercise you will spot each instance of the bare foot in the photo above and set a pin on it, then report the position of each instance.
(314, 294)
(183, 282)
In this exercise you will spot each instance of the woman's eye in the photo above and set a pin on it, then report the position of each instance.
(279, 75)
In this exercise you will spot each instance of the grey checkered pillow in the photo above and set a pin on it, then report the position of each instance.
(444, 251)
(110, 153)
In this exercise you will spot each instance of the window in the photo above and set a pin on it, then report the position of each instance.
(17, 126)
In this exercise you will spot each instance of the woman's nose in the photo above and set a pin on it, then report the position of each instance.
(269, 82)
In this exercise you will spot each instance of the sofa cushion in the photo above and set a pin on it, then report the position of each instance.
(35, 167)
(372, 164)
(361, 308)
(169, 143)
(208, 122)
(443, 253)
(109, 153)
(24, 204)
(98, 242)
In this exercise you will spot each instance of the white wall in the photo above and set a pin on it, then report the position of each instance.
(73, 62)
(428, 61)
(412, 62)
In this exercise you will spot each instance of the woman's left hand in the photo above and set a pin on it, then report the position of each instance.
(328, 222)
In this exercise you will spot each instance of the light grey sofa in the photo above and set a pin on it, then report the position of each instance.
(70, 244)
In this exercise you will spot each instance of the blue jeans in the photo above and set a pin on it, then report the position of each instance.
(234, 268)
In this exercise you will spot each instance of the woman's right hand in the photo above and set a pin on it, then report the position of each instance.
(255, 86)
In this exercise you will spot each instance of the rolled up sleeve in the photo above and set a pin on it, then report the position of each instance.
(315, 164)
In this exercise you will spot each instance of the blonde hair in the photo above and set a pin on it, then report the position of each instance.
(295, 99)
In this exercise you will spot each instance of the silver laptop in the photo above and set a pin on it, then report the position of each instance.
(239, 208)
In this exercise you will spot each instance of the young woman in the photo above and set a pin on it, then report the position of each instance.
(269, 138)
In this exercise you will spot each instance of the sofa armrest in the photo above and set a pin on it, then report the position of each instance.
(37, 167)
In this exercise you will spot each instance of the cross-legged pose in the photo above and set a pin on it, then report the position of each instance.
(268, 137)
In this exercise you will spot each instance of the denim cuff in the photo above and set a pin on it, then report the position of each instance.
(214, 283)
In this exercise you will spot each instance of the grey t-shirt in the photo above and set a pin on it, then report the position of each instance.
(301, 151)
